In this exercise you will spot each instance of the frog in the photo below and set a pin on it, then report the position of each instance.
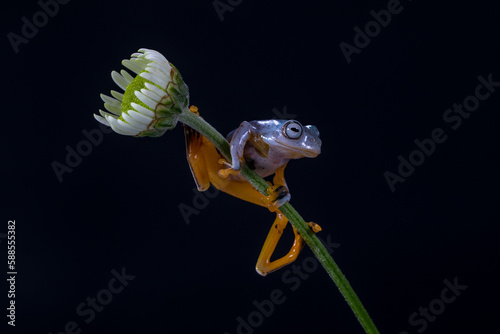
(265, 146)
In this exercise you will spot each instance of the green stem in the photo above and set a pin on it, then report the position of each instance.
(200, 125)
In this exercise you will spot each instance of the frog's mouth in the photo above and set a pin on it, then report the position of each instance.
(296, 152)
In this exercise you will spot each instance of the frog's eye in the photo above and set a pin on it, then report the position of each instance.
(292, 130)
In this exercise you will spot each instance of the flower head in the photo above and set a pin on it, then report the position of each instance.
(152, 100)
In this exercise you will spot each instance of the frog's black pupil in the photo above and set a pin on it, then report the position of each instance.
(292, 130)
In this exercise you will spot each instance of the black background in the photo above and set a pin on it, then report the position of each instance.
(119, 207)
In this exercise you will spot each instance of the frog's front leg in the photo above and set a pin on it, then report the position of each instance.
(238, 142)
(239, 138)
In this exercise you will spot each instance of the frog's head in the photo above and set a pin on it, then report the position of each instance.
(300, 141)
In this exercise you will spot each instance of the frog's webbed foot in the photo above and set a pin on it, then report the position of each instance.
(278, 195)
(264, 264)
(225, 172)
(314, 227)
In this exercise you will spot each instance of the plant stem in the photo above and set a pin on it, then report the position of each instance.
(199, 124)
(196, 122)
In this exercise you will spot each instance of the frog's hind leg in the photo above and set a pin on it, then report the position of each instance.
(205, 164)
(264, 264)
(198, 153)
(278, 193)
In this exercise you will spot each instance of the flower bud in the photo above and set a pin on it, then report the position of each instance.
(152, 100)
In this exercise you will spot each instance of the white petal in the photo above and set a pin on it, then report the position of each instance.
(151, 95)
(101, 120)
(164, 66)
(134, 66)
(155, 89)
(140, 63)
(142, 110)
(155, 55)
(158, 73)
(141, 59)
(105, 114)
(139, 117)
(116, 95)
(127, 76)
(163, 70)
(113, 122)
(127, 127)
(113, 109)
(132, 122)
(119, 80)
(111, 101)
(158, 62)
(154, 79)
(146, 100)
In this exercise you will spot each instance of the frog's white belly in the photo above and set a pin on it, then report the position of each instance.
(264, 166)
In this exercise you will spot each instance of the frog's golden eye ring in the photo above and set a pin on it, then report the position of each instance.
(292, 130)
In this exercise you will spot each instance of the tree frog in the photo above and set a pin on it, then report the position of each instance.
(266, 147)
